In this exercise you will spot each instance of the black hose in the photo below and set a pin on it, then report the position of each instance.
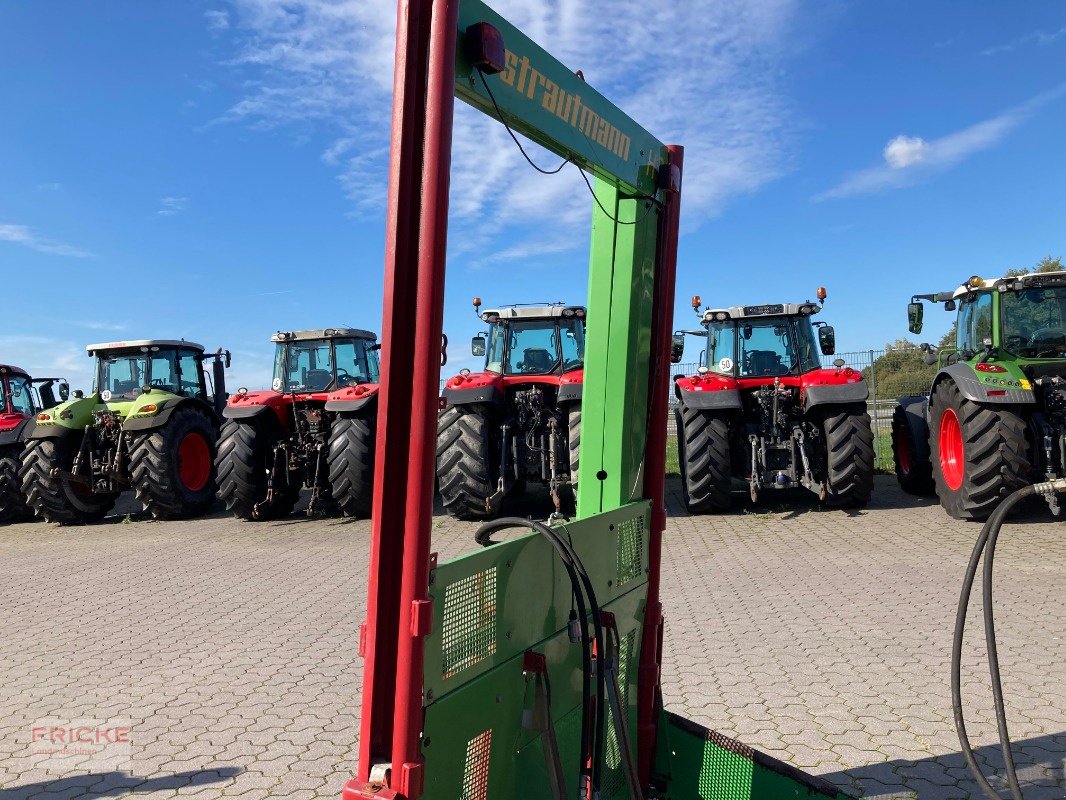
(581, 586)
(986, 546)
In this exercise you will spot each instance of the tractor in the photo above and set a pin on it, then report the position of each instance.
(994, 419)
(519, 418)
(21, 399)
(315, 428)
(761, 408)
(150, 424)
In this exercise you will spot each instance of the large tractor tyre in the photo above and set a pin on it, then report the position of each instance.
(914, 473)
(245, 458)
(13, 506)
(351, 463)
(703, 450)
(573, 444)
(172, 468)
(53, 498)
(849, 457)
(464, 461)
(980, 453)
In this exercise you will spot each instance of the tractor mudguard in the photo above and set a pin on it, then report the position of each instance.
(719, 400)
(915, 408)
(19, 433)
(972, 389)
(837, 394)
(477, 394)
(52, 432)
(569, 392)
(161, 417)
(245, 412)
(342, 406)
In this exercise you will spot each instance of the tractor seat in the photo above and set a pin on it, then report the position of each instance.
(317, 379)
(765, 362)
(537, 359)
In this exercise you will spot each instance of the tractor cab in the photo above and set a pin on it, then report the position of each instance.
(532, 340)
(762, 341)
(23, 396)
(324, 359)
(125, 370)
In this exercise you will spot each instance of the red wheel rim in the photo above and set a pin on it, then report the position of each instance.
(952, 458)
(194, 462)
(903, 452)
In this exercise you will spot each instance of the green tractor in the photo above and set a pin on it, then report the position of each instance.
(151, 425)
(995, 417)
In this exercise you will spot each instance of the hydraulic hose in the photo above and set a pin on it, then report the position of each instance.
(583, 591)
(986, 547)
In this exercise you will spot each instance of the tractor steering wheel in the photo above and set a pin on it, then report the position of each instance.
(343, 377)
(1050, 341)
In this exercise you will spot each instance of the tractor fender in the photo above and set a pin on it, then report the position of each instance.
(245, 412)
(915, 411)
(569, 392)
(161, 417)
(18, 434)
(348, 406)
(972, 389)
(707, 393)
(476, 394)
(835, 394)
(52, 432)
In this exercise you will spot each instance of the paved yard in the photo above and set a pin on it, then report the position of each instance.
(819, 637)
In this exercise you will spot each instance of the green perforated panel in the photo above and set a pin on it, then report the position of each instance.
(468, 633)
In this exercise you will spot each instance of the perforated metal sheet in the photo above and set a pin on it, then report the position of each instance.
(469, 633)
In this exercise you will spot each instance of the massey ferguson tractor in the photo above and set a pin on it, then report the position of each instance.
(761, 408)
(21, 399)
(315, 428)
(150, 424)
(995, 417)
(519, 419)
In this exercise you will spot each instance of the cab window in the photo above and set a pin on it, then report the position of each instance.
(190, 367)
(21, 395)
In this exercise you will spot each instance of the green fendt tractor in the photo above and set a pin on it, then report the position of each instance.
(151, 425)
(995, 417)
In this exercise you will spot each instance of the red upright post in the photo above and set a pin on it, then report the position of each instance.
(655, 462)
(397, 606)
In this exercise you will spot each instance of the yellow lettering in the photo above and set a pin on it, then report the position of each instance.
(604, 132)
(551, 95)
(589, 121)
(507, 76)
(535, 79)
(522, 75)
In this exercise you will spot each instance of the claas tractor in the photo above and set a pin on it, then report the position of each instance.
(21, 399)
(994, 419)
(518, 419)
(314, 428)
(761, 408)
(150, 425)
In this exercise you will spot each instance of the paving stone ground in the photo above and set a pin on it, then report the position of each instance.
(820, 637)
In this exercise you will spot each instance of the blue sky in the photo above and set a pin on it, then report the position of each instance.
(216, 170)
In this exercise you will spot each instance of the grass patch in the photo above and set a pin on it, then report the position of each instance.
(673, 466)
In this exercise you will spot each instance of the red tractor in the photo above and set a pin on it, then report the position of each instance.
(315, 428)
(21, 399)
(762, 409)
(518, 419)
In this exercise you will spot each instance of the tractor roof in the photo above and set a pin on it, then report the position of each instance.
(538, 311)
(1032, 280)
(323, 333)
(750, 312)
(138, 344)
(9, 369)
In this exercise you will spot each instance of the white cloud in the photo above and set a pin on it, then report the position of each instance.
(328, 63)
(172, 206)
(49, 357)
(1038, 38)
(20, 234)
(911, 159)
(217, 21)
(904, 151)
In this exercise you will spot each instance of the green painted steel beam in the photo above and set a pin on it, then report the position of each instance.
(545, 100)
(617, 351)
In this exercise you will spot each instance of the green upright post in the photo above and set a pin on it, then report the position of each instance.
(617, 351)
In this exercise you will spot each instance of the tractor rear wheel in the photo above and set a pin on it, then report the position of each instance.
(914, 473)
(351, 463)
(57, 499)
(703, 452)
(980, 453)
(573, 443)
(172, 468)
(849, 467)
(245, 458)
(464, 461)
(13, 506)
